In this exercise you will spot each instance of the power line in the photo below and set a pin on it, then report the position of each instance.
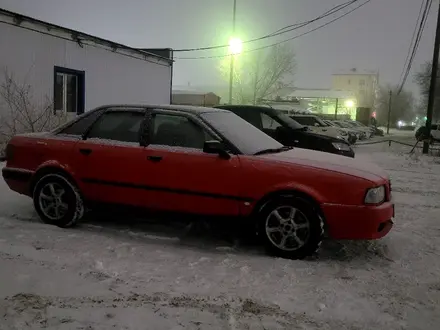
(327, 13)
(421, 20)
(286, 29)
(280, 42)
(412, 38)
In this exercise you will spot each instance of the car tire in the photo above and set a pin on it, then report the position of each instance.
(58, 201)
(300, 237)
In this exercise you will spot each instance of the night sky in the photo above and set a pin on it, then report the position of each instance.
(375, 37)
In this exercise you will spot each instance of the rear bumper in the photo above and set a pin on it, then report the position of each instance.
(358, 222)
(18, 180)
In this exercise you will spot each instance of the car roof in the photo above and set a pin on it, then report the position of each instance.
(261, 108)
(302, 115)
(174, 107)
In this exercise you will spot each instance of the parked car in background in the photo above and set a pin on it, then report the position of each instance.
(353, 135)
(421, 132)
(317, 125)
(369, 131)
(202, 161)
(361, 135)
(287, 131)
(405, 125)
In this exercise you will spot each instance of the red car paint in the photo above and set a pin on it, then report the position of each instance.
(202, 183)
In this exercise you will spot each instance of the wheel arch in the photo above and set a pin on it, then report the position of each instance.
(50, 169)
(312, 200)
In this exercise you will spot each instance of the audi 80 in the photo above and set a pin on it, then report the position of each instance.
(200, 161)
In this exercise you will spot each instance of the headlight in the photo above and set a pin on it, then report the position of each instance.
(341, 146)
(375, 195)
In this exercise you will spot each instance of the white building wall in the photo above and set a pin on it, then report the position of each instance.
(122, 76)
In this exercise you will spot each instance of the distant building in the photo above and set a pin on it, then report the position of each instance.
(191, 97)
(322, 101)
(364, 84)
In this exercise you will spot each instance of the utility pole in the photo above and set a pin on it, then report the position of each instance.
(389, 112)
(336, 109)
(432, 84)
(231, 71)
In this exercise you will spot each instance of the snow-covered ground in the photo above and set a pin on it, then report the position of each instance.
(106, 275)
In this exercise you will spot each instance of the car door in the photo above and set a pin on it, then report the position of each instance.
(110, 160)
(185, 178)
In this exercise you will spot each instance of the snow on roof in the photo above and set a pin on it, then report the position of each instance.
(19, 20)
(321, 93)
(355, 71)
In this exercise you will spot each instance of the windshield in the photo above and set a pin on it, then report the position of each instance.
(285, 119)
(246, 137)
(321, 122)
(358, 124)
(349, 124)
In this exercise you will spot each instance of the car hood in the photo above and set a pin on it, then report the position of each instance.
(320, 136)
(330, 162)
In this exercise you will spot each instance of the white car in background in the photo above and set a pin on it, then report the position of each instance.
(357, 125)
(318, 126)
(361, 135)
(353, 134)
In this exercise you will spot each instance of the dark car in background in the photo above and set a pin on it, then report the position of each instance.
(287, 131)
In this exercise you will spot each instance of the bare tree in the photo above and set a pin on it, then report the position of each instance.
(19, 113)
(260, 75)
(402, 105)
(422, 78)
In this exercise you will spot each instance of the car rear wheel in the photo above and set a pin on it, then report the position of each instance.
(57, 201)
(291, 227)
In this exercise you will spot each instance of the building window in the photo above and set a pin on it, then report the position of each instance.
(69, 93)
(362, 82)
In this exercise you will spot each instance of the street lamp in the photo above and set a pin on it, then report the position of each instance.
(233, 45)
(349, 104)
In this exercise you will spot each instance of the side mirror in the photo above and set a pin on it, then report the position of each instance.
(216, 147)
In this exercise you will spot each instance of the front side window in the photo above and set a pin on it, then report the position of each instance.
(123, 126)
(243, 135)
(178, 131)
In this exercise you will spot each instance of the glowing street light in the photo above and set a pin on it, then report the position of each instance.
(349, 103)
(235, 46)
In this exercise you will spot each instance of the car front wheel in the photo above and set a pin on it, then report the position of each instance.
(57, 201)
(291, 227)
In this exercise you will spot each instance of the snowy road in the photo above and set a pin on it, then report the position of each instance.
(130, 277)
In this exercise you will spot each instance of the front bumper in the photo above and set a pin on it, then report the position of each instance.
(358, 222)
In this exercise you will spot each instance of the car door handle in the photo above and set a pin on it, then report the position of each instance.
(154, 158)
(85, 151)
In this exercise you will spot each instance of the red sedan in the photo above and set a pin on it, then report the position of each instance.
(200, 161)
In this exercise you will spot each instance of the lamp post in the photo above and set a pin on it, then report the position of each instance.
(232, 42)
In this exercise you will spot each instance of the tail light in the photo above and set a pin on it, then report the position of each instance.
(9, 152)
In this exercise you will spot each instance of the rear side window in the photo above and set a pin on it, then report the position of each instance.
(123, 126)
(81, 125)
